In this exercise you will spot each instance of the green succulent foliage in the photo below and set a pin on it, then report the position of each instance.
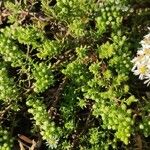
(47, 9)
(67, 110)
(77, 28)
(48, 129)
(76, 70)
(116, 120)
(122, 58)
(10, 52)
(6, 141)
(91, 46)
(8, 88)
(111, 15)
(106, 89)
(99, 140)
(42, 73)
(28, 35)
(73, 14)
(34, 37)
(66, 145)
(14, 9)
(50, 49)
(69, 10)
(106, 50)
(82, 103)
(82, 52)
(144, 126)
(94, 68)
(114, 116)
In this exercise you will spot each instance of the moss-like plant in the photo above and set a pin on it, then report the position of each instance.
(66, 66)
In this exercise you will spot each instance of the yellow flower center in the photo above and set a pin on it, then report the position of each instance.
(143, 70)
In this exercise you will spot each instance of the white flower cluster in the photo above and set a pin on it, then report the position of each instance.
(142, 60)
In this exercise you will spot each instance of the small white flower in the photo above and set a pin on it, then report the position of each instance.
(142, 61)
(141, 70)
(140, 52)
(147, 51)
(145, 46)
(147, 36)
(147, 81)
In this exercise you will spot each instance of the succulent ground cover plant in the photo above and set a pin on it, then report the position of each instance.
(67, 74)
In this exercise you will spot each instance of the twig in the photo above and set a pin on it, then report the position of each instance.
(4, 111)
(57, 95)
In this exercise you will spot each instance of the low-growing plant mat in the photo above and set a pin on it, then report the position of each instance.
(65, 75)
